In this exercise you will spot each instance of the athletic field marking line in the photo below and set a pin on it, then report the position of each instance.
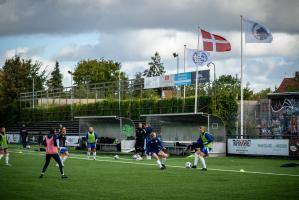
(104, 159)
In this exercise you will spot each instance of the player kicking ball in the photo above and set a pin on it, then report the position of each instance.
(155, 147)
(91, 138)
(202, 147)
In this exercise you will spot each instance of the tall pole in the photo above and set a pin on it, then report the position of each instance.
(214, 68)
(242, 108)
(196, 79)
(32, 92)
(119, 95)
(184, 70)
(72, 97)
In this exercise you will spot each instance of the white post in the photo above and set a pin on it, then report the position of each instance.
(242, 108)
(184, 70)
(119, 95)
(196, 79)
(72, 98)
(32, 92)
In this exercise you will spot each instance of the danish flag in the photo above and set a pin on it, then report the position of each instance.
(213, 42)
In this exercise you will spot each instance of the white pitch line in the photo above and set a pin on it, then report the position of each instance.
(103, 159)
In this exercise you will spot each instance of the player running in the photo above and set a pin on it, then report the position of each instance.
(52, 152)
(155, 147)
(202, 147)
(4, 146)
(91, 138)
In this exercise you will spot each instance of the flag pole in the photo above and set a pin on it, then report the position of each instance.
(196, 77)
(185, 70)
(242, 108)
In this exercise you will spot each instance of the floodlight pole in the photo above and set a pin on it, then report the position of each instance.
(72, 113)
(32, 92)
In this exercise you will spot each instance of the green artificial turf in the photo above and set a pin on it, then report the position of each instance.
(126, 178)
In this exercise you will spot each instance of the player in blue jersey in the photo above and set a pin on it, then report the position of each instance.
(148, 131)
(202, 147)
(156, 148)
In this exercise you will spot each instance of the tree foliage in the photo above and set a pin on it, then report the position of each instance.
(55, 82)
(97, 71)
(156, 68)
(17, 76)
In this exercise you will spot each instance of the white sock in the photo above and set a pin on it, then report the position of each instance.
(163, 160)
(195, 159)
(1, 156)
(88, 154)
(94, 155)
(64, 158)
(6, 158)
(203, 162)
(159, 163)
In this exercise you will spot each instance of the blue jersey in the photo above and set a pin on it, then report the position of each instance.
(63, 150)
(154, 145)
(148, 131)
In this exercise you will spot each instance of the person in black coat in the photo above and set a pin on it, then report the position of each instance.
(140, 135)
(24, 134)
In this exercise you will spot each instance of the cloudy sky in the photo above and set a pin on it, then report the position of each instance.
(130, 31)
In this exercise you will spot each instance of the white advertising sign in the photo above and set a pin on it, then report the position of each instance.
(72, 141)
(13, 138)
(275, 147)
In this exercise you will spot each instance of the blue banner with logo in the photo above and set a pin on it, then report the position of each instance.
(182, 79)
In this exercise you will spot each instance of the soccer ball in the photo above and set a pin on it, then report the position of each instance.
(116, 157)
(188, 165)
(135, 156)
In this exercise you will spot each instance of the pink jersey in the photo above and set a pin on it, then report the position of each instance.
(51, 149)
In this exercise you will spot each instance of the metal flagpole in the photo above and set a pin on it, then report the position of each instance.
(196, 78)
(242, 108)
(184, 70)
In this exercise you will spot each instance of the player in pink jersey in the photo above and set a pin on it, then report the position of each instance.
(52, 152)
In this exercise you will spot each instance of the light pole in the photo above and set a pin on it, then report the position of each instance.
(71, 73)
(32, 92)
(176, 55)
(214, 66)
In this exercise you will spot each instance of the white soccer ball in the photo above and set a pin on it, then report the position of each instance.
(116, 157)
(188, 165)
(28, 147)
(135, 156)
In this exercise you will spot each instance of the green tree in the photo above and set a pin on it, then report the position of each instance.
(156, 68)
(227, 93)
(247, 93)
(17, 76)
(262, 94)
(96, 71)
(55, 82)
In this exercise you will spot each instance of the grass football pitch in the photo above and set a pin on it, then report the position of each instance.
(105, 178)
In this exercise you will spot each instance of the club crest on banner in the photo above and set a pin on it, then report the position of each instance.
(200, 57)
(260, 32)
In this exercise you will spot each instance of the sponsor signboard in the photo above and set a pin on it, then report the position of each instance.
(275, 147)
(294, 148)
(172, 80)
(182, 79)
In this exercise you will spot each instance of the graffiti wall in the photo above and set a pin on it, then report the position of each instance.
(285, 115)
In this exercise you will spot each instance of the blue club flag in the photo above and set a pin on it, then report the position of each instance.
(256, 33)
(197, 58)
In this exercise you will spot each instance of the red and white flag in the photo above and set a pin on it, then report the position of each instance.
(213, 42)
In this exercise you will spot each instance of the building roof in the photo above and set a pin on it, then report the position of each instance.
(288, 83)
